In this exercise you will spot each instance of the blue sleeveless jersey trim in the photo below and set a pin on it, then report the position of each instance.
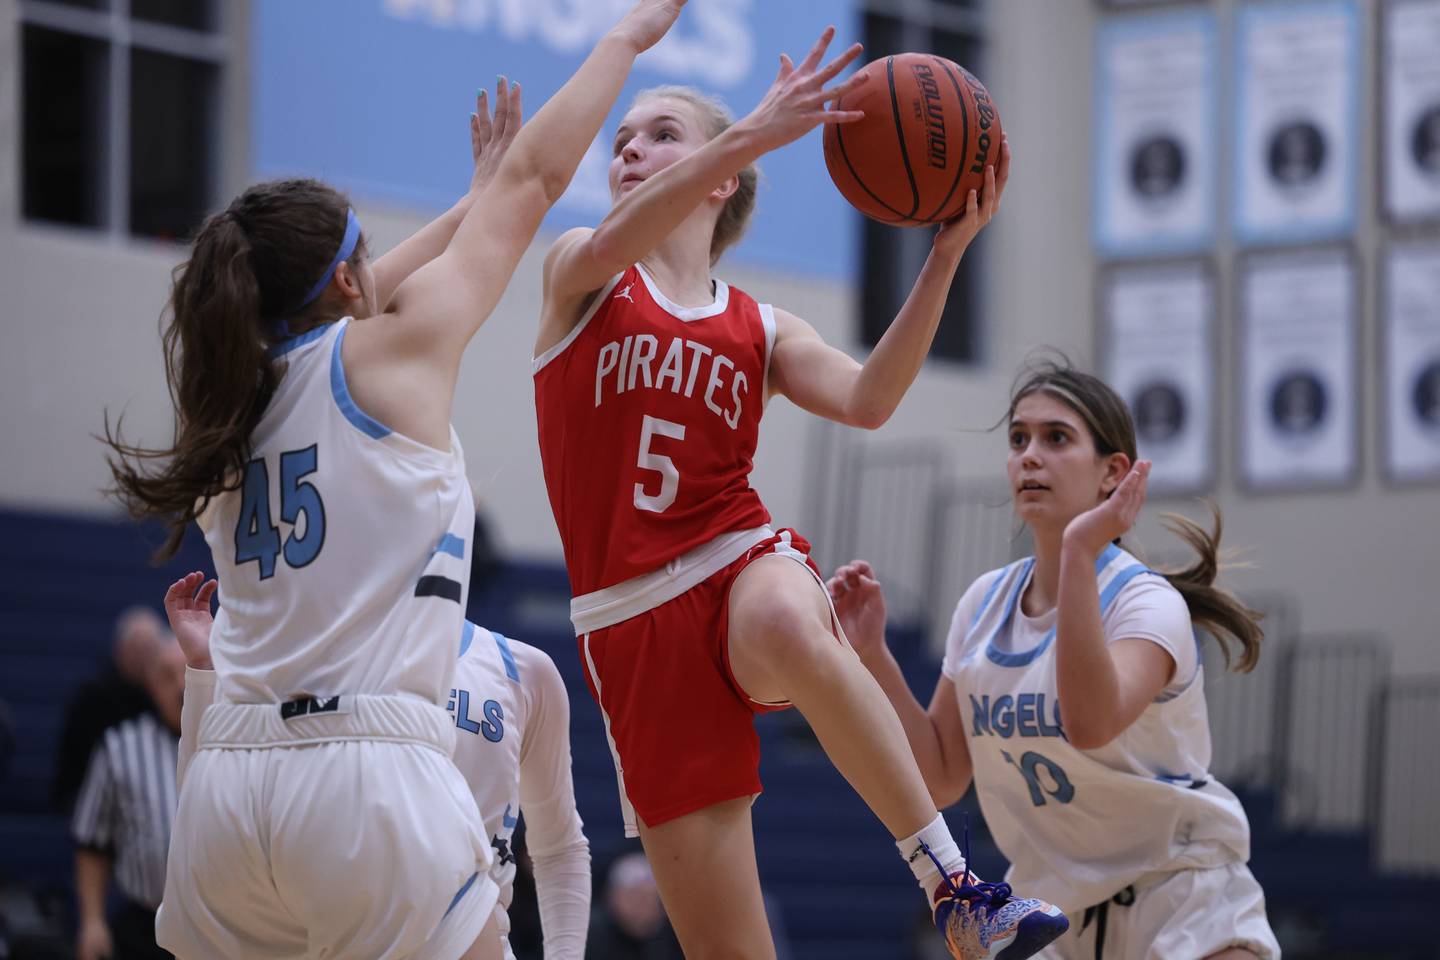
(1107, 596)
(990, 593)
(1025, 657)
(1017, 658)
(358, 418)
(295, 343)
(503, 642)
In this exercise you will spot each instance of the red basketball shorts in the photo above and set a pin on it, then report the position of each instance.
(681, 729)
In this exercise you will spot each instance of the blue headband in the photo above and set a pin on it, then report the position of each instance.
(347, 247)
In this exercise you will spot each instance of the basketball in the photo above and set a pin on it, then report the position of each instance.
(929, 132)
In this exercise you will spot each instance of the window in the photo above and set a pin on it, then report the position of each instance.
(892, 256)
(120, 104)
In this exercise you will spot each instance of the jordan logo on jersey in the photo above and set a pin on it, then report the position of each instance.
(624, 294)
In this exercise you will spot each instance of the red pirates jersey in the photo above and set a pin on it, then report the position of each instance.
(649, 414)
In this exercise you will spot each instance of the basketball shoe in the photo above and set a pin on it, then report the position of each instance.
(982, 921)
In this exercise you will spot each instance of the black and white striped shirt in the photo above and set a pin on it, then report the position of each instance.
(127, 804)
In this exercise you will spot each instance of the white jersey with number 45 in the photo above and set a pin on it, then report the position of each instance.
(342, 555)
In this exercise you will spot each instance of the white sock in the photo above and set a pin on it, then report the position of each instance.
(936, 838)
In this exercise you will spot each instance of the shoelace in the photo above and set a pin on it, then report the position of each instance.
(992, 896)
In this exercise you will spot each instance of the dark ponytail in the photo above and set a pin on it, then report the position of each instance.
(251, 265)
(1113, 431)
(1218, 611)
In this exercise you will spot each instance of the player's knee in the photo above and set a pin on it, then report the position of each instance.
(784, 629)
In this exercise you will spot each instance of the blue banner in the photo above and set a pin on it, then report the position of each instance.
(374, 96)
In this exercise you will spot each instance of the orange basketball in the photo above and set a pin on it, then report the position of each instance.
(929, 132)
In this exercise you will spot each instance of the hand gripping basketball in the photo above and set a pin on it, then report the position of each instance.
(955, 235)
(930, 132)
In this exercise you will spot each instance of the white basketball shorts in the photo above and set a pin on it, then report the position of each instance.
(339, 829)
(1189, 914)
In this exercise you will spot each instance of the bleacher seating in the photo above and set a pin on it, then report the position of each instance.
(823, 856)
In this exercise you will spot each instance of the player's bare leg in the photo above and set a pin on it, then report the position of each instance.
(782, 648)
(705, 870)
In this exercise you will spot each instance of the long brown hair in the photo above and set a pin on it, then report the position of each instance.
(1113, 431)
(715, 118)
(250, 267)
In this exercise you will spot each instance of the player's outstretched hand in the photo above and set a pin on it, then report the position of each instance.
(1096, 527)
(860, 606)
(491, 136)
(795, 103)
(187, 605)
(956, 235)
(648, 21)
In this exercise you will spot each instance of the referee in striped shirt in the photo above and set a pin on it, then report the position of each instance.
(123, 817)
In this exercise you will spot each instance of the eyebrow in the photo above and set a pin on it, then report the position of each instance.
(662, 118)
(1017, 422)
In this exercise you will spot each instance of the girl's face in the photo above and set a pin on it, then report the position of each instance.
(1055, 472)
(655, 134)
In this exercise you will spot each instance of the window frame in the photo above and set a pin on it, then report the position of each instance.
(918, 21)
(121, 32)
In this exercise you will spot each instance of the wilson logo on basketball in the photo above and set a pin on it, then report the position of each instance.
(985, 110)
(909, 160)
(932, 113)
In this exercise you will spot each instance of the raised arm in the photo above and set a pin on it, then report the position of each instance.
(438, 308)
(402, 365)
(1103, 686)
(829, 383)
(553, 830)
(489, 140)
(794, 105)
(937, 734)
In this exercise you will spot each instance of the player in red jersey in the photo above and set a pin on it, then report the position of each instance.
(692, 613)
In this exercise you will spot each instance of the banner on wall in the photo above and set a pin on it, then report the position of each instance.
(1158, 345)
(1298, 370)
(1155, 158)
(1412, 361)
(1298, 120)
(1411, 88)
(375, 97)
